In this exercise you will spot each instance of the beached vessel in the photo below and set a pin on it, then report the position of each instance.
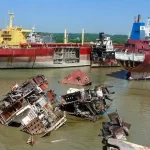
(135, 55)
(18, 52)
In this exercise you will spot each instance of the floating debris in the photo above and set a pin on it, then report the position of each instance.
(76, 78)
(32, 108)
(58, 140)
(115, 128)
(31, 141)
(115, 144)
(86, 103)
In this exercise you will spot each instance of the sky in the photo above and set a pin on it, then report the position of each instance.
(53, 16)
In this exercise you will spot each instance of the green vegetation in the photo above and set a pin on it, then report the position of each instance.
(89, 37)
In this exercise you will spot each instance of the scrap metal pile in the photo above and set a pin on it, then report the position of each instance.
(115, 128)
(31, 107)
(114, 134)
(86, 103)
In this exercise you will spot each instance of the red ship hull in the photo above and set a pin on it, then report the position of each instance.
(47, 56)
(43, 56)
(135, 60)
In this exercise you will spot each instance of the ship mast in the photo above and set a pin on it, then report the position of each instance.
(11, 15)
(129, 35)
(65, 36)
(83, 36)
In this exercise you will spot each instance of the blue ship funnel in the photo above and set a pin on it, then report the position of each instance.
(138, 30)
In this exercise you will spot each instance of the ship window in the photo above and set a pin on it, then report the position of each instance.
(133, 45)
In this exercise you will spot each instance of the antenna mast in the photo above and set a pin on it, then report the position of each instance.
(11, 16)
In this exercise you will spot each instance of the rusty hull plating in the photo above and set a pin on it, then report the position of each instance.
(77, 78)
(30, 107)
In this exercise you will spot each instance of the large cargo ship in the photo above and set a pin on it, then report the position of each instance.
(135, 55)
(17, 51)
(21, 48)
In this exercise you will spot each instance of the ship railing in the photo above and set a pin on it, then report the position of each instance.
(139, 57)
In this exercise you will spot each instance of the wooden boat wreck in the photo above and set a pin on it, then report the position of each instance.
(31, 107)
(86, 103)
(115, 128)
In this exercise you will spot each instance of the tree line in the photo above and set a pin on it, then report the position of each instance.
(88, 37)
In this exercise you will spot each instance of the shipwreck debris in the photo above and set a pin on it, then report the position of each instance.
(31, 107)
(31, 141)
(115, 128)
(55, 141)
(115, 144)
(86, 103)
(114, 134)
(76, 78)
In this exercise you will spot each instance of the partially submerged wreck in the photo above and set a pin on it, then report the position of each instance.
(31, 107)
(115, 144)
(115, 128)
(77, 78)
(114, 134)
(86, 103)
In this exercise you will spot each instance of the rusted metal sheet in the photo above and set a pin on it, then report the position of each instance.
(76, 78)
(124, 145)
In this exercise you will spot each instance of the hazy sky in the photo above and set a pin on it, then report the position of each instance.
(110, 16)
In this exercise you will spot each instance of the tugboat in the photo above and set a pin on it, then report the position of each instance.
(103, 52)
(135, 55)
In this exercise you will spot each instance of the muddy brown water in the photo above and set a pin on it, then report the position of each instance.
(132, 99)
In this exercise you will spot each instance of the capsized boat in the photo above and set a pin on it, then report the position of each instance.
(88, 103)
(77, 78)
(32, 107)
(103, 52)
(135, 55)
